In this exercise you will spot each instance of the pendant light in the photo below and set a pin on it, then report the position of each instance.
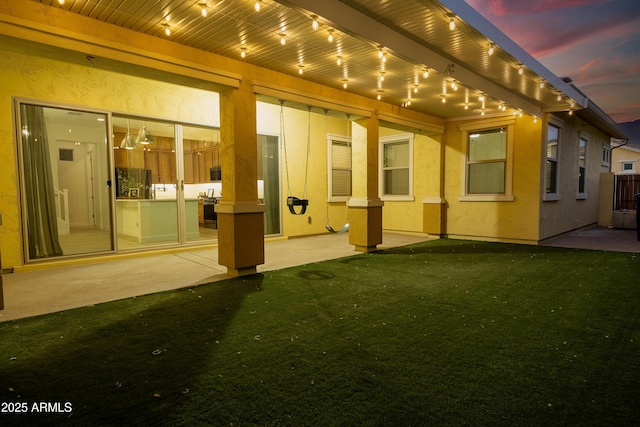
(128, 143)
(144, 136)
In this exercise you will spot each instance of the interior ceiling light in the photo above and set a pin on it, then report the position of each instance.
(380, 92)
(314, 23)
(452, 22)
(144, 136)
(491, 49)
(257, 6)
(415, 89)
(382, 76)
(481, 98)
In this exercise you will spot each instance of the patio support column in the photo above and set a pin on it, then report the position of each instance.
(240, 215)
(365, 207)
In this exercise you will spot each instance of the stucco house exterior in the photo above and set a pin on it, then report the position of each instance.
(136, 128)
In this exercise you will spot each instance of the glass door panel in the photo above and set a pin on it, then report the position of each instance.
(65, 175)
(202, 181)
(145, 182)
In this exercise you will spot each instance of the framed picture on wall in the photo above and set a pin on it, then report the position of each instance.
(133, 192)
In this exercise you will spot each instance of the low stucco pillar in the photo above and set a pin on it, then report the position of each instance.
(240, 215)
(365, 207)
(433, 216)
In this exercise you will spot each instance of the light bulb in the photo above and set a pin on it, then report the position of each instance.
(60, 2)
(243, 52)
(314, 24)
(300, 69)
(559, 98)
(481, 98)
(344, 83)
(542, 84)
(452, 24)
(425, 74)
(521, 70)
(381, 77)
(415, 89)
(330, 38)
(491, 49)
(167, 31)
(444, 99)
(283, 39)
(339, 60)
(466, 106)
(379, 97)
(380, 53)
(257, 6)
(203, 12)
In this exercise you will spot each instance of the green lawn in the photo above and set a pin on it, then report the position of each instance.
(440, 333)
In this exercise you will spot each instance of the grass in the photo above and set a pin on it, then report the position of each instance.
(439, 333)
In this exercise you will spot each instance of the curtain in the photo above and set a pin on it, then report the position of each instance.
(42, 223)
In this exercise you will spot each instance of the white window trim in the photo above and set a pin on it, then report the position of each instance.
(509, 124)
(342, 138)
(388, 140)
(630, 171)
(606, 148)
(551, 197)
(586, 137)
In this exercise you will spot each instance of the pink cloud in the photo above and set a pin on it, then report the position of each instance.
(525, 7)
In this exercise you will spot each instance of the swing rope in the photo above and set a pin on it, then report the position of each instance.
(292, 201)
(345, 227)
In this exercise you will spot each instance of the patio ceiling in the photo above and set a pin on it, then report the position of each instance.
(413, 35)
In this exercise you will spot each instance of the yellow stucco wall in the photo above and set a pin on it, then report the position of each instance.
(571, 212)
(509, 221)
(46, 80)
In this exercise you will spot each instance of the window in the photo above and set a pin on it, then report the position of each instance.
(627, 166)
(606, 155)
(486, 162)
(551, 180)
(339, 167)
(396, 160)
(582, 166)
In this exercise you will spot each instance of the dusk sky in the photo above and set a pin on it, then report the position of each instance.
(594, 42)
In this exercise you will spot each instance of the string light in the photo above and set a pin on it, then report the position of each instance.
(257, 6)
(283, 39)
(541, 84)
(203, 12)
(491, 49)
(330, 38)
(425, 73)
(339, 60)
(345, 83)
(452, 24)
(243, 52)
(521, 70)
(300, 69)
(314, 24)
(167, 30)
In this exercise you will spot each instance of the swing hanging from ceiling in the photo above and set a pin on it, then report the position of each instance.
(294, 202)
(345, 227)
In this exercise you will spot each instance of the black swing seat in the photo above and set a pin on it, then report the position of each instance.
(292, 202)
(344, 229)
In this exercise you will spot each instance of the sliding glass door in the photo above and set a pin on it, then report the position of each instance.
(65, 181)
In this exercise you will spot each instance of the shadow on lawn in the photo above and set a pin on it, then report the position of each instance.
(446, 246)
(127, 370)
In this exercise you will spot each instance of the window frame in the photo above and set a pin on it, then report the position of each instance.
(330, 140)
(554, 195)
(582, 170)
(466, 130)
(606, 155)
(393, 139)
(628, 171)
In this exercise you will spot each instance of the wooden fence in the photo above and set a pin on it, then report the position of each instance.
(626, 188)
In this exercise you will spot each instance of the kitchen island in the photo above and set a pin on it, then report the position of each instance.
(155, 220)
